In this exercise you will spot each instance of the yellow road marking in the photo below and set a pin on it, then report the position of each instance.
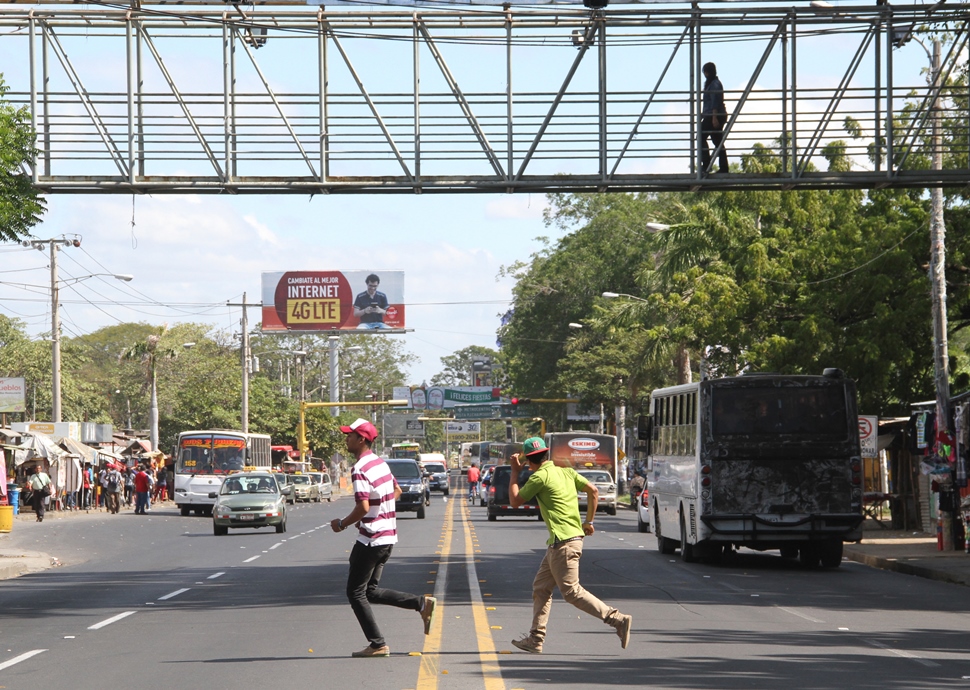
(488, 659)
(430, 658)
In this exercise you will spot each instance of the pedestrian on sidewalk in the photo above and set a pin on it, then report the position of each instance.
(555, 489)
(142, 487)
(115, 486)
(375, 493)
(40, 491)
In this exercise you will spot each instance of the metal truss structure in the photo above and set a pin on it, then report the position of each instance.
(312, 101)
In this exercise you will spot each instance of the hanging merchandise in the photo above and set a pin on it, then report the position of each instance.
(961, 445)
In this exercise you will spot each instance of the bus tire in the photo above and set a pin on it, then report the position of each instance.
(808, 555)
(664, 545)
(184, 511)
(686, 549)
(830, 553)
(420, 512)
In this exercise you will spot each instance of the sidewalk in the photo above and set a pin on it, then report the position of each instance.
(910, 553)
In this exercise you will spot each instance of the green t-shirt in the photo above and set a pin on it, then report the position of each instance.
(555, 489)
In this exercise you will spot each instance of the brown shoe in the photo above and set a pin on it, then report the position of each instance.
(623, 623)
(427, 613)
(369, 651)
(528, 644)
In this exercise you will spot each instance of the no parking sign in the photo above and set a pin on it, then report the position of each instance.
(868, 436)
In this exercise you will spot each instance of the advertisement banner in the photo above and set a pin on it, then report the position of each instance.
(445, 398)
(581, 450)
(463, 431)
(13, 395)
(403, 426)
(332, 300)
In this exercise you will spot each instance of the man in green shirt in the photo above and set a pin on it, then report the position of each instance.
(555, 489)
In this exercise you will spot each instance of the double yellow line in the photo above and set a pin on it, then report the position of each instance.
(431, 669)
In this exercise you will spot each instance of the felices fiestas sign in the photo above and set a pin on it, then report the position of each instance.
(332, 300)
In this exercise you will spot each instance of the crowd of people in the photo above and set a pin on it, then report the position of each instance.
(114, 486)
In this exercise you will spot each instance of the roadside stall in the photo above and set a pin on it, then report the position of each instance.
(39, 449)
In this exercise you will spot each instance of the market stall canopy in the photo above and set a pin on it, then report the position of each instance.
(139, 447)
(85, 452)
(36, 445)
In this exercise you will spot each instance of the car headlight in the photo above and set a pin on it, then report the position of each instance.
(222, 511)
(415, 488)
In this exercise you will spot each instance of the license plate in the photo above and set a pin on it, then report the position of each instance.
(247, 517)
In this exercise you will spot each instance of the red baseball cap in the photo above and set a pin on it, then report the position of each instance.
(362, 427)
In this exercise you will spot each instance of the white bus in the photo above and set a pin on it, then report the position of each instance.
(204, 458)
(764, 461)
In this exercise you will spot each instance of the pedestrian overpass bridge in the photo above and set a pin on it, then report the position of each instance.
(473, 99)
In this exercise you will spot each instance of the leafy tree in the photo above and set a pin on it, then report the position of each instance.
(20, 203)
(149, 352)
(457, 368)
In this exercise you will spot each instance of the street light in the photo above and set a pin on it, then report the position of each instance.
(614, 295)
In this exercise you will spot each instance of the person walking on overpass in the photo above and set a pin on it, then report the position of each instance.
(375, 493)
(713, 119)
(555, 489)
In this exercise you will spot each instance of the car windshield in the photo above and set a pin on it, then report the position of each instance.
(404, 470)
(301, 479)
(434, 467)
(248, 485)
(597, 477)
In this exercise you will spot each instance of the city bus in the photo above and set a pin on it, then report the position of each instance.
(764, 461)
(406, 450)
(204, 458)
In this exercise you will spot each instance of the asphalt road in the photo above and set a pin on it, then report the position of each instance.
(157, 601)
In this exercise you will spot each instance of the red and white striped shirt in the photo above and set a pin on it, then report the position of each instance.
(373, 482)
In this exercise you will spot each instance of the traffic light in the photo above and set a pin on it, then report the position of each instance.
(521, 401)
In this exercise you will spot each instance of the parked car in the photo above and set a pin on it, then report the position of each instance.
(304, 488)
(643, 511)
(249, 499)
(324, 485)
(498, 495)
(415, 494)
(483, 482)
(434, 466)
(606, 487)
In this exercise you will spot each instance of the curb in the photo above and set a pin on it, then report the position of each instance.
(905, 568)
(11, 571)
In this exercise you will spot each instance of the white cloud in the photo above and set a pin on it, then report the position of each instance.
(523, 207)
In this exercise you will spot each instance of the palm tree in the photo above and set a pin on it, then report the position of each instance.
(148, 353)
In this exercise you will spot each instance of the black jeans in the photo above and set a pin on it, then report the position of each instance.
(716, 135)
(366, 567)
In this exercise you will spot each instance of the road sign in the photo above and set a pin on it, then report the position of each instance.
(869, 436)
(519, 411)
(476, 411)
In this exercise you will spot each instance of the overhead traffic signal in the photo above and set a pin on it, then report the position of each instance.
(521, 401)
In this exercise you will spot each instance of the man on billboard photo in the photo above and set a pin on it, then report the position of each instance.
(371, 305)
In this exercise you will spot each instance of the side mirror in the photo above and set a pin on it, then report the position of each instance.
(286, 490)
(213, 494)
(644, 427)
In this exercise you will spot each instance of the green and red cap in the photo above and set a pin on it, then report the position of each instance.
(534, 446)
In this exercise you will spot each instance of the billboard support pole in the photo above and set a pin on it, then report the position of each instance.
(334, 342)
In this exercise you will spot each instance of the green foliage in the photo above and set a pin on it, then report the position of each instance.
(21, 205)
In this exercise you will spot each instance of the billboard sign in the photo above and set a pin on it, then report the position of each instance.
(463, 431)
(583, 450)
(446, 397)
(332, 300)
(406, 426)
(13, 395)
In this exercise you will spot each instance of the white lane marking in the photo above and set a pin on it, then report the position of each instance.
(109, 621)
(213, 577)
(175, 593)
(899, 652)
(800, 615)
(296, 537)
(22, 657)
(275, 546)
(250, 560)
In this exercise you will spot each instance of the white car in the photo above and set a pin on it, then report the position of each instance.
(606, 487)
(643, 511)
(325, 485)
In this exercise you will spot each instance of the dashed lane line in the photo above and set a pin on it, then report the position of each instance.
(174, 594)
(215, 575)
(251, 559)
(430, 655)
(109, 621)
(22, 657)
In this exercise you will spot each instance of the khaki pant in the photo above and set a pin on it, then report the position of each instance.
(560, 568)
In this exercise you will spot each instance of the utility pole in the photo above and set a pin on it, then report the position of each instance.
(333, 342)
(244, 357)
(55, 337)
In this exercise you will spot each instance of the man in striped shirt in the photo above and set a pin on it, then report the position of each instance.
(375, 492)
